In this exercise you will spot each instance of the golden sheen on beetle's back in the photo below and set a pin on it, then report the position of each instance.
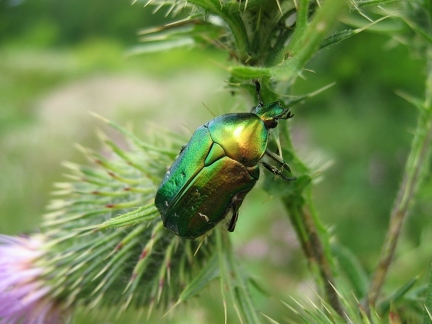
(244, 138)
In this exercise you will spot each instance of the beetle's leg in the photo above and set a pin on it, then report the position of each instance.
(276, 171)
(258, 92)
(278, 160)
(235, 206)
(233, 221)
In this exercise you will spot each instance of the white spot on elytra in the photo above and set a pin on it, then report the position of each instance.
(205, 217)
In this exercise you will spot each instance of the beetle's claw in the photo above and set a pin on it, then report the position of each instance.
(278, 172)
(289, 115)
(286, 167)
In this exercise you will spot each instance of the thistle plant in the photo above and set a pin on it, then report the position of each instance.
(102, 243)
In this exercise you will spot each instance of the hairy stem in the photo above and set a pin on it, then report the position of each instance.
(301, 50)
(311, 233)
(315, 249)
(416, 165)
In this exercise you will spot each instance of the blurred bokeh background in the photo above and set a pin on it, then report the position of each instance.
(60, 60)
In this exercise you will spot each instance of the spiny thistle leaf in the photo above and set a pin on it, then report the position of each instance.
(353, 269)
(142, 214)
(385, 304)
(345, 34)
(369, 3)
(95, 265)
(311, 313)
(89, 255)
(253, 32)
(209, 272)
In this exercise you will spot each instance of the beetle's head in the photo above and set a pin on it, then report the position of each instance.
(271, 113)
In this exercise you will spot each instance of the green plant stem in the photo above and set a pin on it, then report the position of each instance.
(418, 161)
(315, 249)
(295, 56)
(300, 25)
(312, 235)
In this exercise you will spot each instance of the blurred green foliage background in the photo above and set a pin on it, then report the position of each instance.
(61, 59)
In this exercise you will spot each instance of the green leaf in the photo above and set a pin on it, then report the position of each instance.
(142, 214)
(369, 3)
(160, 46)
(354, 271)
(376, 25)
(384, 305)
(337, 38)
(208, 273)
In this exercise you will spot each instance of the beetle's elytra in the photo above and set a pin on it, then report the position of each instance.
(217, 168)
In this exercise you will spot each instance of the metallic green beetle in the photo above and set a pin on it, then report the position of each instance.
(217, 168)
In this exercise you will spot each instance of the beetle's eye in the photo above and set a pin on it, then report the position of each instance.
(272, 123)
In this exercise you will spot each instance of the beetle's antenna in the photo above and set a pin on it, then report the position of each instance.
(258, 92)
(209, 110)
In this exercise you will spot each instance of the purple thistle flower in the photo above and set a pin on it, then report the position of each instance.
(25, 296)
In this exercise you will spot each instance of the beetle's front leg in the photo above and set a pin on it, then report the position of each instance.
(278, 160)
(276, 171)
